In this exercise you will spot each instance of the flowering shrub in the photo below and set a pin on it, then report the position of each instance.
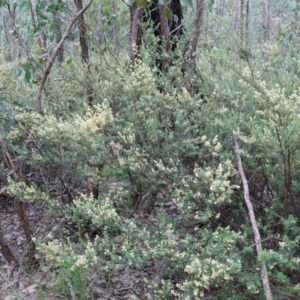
(144, 146)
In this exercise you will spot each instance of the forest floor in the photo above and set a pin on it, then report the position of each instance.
(19, 281)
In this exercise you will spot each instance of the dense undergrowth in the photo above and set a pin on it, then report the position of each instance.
(108, 172)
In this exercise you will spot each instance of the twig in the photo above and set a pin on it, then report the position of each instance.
(264, 275)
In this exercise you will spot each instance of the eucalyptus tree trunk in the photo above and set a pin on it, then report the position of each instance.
(134, 36)
(100, 23)
(12, 14)
(235, 16)
(221, 9)
(82, 34)
(242, 21)
(83, 39)
(265, 11)
(247, 23)
(33, 21)
(43, 36)
(167, 23)
(115, 28)
(296, 26)
(60, 54)
(197, 27)
(5, 35)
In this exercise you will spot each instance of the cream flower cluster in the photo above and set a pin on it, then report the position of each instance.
(49, 128)
(25, 192)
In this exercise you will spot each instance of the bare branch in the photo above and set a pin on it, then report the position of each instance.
(259, 249)
(38, 103)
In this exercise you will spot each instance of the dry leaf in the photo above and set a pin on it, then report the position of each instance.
(29, 289)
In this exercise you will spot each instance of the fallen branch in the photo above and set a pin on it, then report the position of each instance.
(38, 102)
(259, 249)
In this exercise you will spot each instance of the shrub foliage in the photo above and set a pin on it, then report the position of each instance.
(148, 171)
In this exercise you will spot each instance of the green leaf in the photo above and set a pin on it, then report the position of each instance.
(27, 76)
(63, 8)
(44, 17)
(51, 37)
(69, 61)
(24, 5)
(51, 8)
(52, 27)
(168, 13)
(16, 103)
(71, 37)
(36, 30)
(3, 2)
(142, 3)
(40, 7)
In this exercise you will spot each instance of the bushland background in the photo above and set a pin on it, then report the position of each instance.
(121, 127)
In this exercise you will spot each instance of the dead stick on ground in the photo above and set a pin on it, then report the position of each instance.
(264, 275)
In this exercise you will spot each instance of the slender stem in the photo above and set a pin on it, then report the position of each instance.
(259, 249)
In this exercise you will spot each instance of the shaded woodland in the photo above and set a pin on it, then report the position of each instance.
(149, 149)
